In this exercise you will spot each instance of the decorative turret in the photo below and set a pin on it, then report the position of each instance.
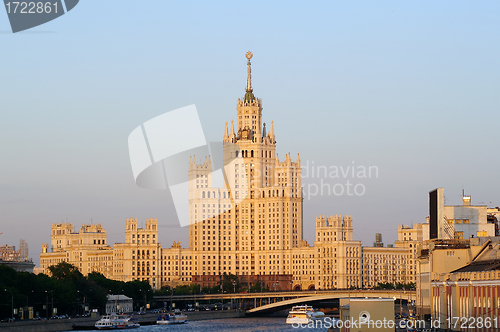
(271, 132)
(334, 228)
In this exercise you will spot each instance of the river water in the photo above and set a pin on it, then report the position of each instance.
(275, 324)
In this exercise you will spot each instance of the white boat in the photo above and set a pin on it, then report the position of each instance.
(176, 317)
(116, 322)
(303, 314)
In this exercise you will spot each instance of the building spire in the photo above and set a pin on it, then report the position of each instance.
(249, 55)
(249, 96)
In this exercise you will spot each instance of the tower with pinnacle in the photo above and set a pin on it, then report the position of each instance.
(250, 224)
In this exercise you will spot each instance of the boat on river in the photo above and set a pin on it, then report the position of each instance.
(176, 317)
(116, 322)
(303, 314)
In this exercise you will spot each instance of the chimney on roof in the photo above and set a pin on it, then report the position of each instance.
(465, 199)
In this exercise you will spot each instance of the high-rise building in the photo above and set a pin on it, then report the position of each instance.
(251, 224)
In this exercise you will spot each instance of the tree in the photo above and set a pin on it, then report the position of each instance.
(256, 288)
(65, 271)
(228, 282)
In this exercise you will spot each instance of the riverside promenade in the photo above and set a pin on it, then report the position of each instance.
(88, 323)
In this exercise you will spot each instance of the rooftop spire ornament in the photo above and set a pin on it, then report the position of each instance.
(249, 55)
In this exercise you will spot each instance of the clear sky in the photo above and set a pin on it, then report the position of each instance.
(411, 87)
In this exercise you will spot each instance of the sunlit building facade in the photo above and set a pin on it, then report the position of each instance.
(249, 224)
(86, 249)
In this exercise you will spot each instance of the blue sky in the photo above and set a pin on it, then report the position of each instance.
(409, 87)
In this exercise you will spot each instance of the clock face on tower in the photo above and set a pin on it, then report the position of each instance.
(244, 134)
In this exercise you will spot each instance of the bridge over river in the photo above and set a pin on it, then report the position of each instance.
(269, 302)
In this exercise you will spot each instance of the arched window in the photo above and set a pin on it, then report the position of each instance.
(237, 153)
(208, 193)
(203, 195)
(251, 153)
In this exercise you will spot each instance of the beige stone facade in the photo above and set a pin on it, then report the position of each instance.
(396, 264)
(136, 259)
(337, 257)
(410, 238)
(87, 249)
(385, 265)
(139, 258)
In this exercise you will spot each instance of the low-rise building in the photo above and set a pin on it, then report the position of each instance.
(386, 265)
(118, 304)
(470, 295)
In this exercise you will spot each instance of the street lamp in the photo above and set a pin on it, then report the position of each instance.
(400, 305)
(84, 299)
(47, 300)
(27, 303)
(222, 288)
(222, 296)
(145, 299)
(12, 303)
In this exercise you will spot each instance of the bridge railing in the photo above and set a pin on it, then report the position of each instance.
(405, 295)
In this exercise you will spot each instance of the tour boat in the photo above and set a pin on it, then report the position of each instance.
(303, 314)
(175, 317)
(115, 322)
